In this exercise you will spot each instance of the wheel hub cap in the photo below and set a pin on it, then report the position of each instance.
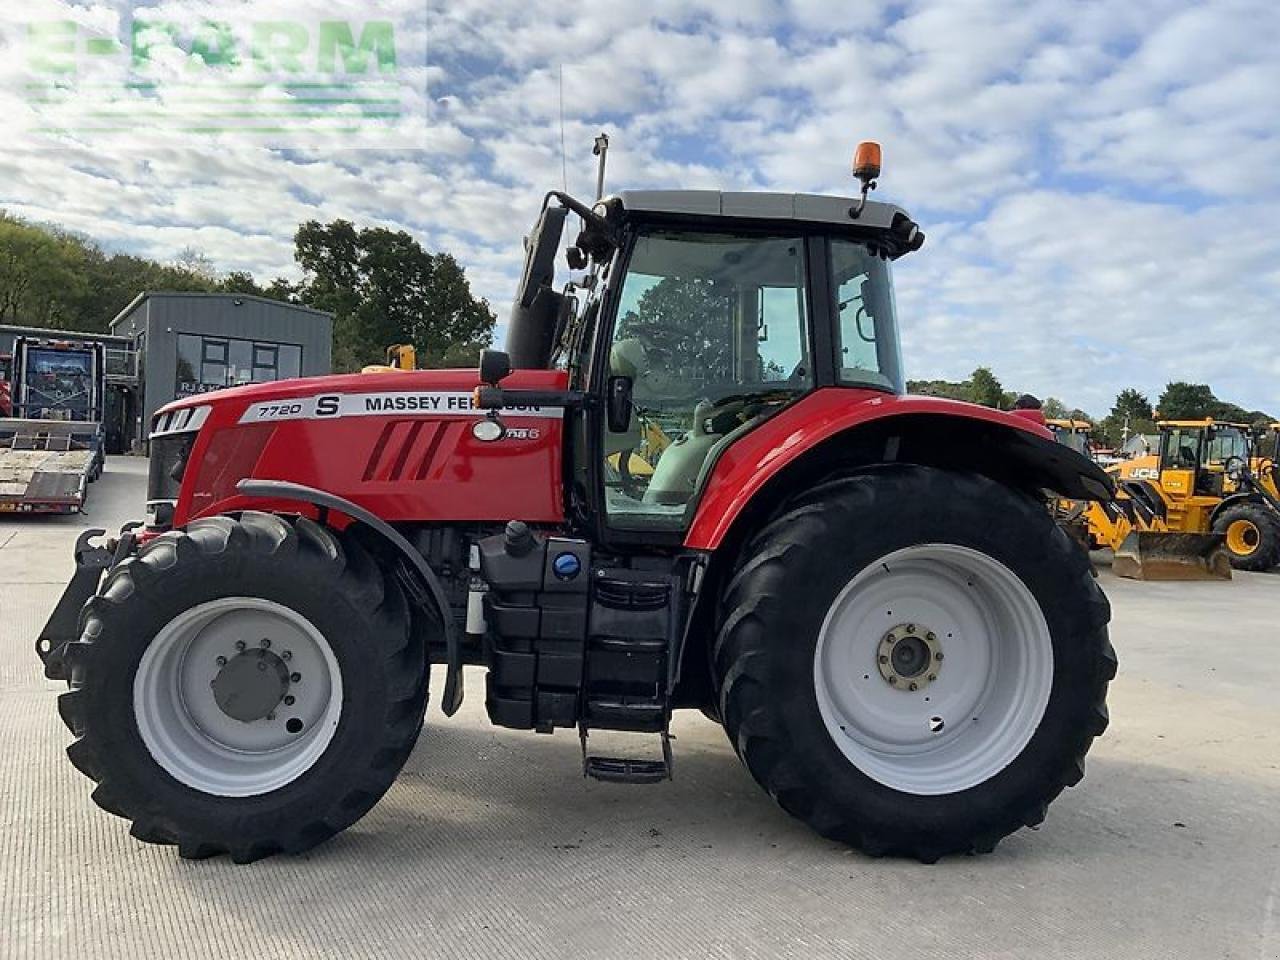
(251, 685)
(909, 657)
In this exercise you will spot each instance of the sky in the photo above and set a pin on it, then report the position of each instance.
(1099, 182)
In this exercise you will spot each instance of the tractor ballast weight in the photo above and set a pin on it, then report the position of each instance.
(864, 587)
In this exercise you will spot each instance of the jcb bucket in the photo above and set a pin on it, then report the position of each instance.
(1173, 556)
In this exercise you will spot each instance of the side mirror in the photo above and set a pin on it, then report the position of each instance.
(495, 365)
(618, 404)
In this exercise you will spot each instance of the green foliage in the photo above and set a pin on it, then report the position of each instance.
(1186, 401)
(985, 389)
(1131, 409)
(982, 387)
(1196, 401)
(686, 326)
(383, 288)
(52, 278)
(1054, 409)
(948, 389)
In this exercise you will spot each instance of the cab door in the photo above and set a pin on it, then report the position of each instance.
(710, 333)
(1180, 457)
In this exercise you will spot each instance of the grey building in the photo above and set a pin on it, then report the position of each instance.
(190, 343)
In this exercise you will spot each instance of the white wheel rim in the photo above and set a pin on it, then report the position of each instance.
(188, 733)
(989, 690)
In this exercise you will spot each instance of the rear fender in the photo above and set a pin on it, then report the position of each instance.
(792, 452)
(767, 466)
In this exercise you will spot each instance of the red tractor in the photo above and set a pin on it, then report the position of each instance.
(694, 481)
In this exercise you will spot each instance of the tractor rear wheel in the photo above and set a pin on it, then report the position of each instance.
(914, 661)
(247, 686)
(1253, 536)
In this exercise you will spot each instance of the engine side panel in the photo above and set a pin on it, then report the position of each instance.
(398, 444)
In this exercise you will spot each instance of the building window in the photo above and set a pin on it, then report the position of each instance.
(211, 363)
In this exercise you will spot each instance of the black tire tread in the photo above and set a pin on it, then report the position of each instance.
(349, 568)
(740, 670)
(1268, 526)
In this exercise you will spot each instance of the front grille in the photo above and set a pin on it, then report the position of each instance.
(169, 456)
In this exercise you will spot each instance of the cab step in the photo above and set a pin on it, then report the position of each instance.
(627, 769)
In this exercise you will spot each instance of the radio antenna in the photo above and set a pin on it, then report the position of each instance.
(564, 164)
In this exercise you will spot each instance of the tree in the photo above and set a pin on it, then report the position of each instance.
(241, 281)
(383, 287)
(686, 325)
(197, 263)
(949, 389)
(1187, 401)
(985, 389)
(1131, 403)
(39, 280)
(1054, 409)
(1131, 412)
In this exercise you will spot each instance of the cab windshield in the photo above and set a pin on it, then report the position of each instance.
(1225, 443)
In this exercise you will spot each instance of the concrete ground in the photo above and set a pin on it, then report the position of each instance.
(492, 845)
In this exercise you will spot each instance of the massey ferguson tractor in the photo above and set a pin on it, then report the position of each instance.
(865, 588)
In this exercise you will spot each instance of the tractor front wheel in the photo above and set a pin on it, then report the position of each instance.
(246, 686)
(914, 661)
(1252, 536)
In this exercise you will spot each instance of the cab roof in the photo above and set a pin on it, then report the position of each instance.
(806, 207)
(1207, 422)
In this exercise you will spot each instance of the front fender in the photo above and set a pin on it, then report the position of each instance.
(1236, 498)
(837, 428)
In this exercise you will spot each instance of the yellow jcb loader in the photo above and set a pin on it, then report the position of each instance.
(400, 356)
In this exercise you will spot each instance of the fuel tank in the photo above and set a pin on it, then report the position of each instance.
(401, 444)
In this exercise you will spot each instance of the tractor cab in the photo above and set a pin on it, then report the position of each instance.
(1268, 448)
(1071, 433)
(697, 315)
(1194, 455)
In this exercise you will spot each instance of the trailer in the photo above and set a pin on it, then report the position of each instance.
(52, 441)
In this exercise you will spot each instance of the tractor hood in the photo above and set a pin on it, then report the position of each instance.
(394, 382)
(408, 446)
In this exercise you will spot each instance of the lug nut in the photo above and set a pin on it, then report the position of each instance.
(295, 677)
(221, 661)
(913, 687)
(893, 679)
(883, 658)
(932, 678)
(931, 637)
(938, 655)
(289, 701)
(287, 655)
(265, 643)
(240, 644)
(911, 628)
